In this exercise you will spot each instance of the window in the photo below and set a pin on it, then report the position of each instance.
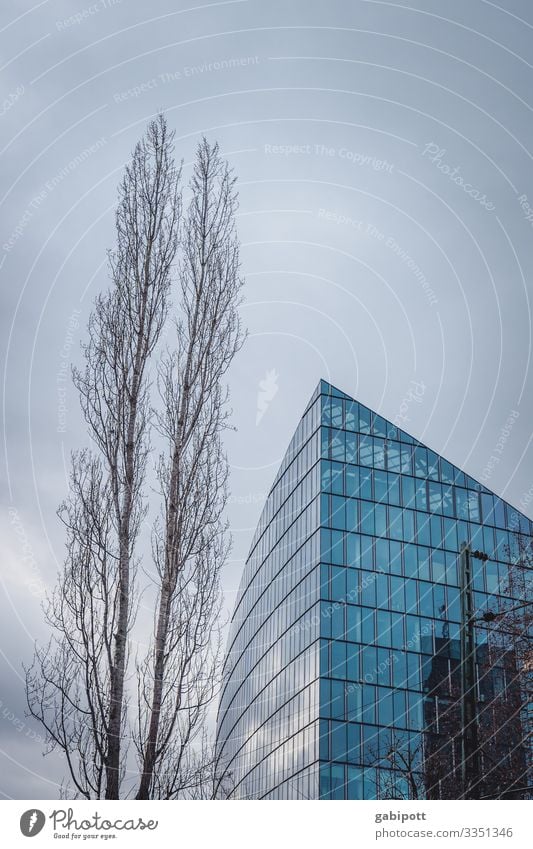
(353, 550)
(338, 659)
(379, 425)
(461, 503)
(393, 457)
(365, 488)
(379, 453)
(366, 452)
(337, 445)
(337, 699)
(336, 412)
(410, 561)
(367, 517)
(337, 621)
(380, 513)
(435, 497)
(351, 414)
(354, 701)
(382, 555)
(433, 465)
(352, 480)
(380, 486)
(338, 513)
(385, 707)
(368, 713)
(382, 591)
(355, 782)
(369, 659)
(351, 447)
(393, 485)
(396, 524)
(338, 741)
(383, 629)
(337, 781)
(351, 514)
(353, 623)
(337, 547)
(421, 462)
(364, 419)
(408, 491)
(407, 460)
(421, 495)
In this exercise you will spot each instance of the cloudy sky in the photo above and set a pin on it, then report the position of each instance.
(384, 157)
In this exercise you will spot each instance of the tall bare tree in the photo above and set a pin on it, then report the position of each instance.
(178, 678)
(76, 687)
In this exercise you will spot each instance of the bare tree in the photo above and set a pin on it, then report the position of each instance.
(77, 687)
(178, 679)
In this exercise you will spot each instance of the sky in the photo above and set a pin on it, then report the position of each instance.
(385, 173)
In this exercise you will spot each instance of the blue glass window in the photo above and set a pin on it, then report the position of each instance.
(354, 702)
(337, 781)
(379, 453)
(337, 621)
(411, 601)
(338, 659)
(397, 630)
(336, 412)
(366, 456)
(368, 634)
(367, 517)
(367, 553)
(421, 462)
(397, 597)
(337, 547)
(395, 557)
(352, 480)
(364, 419)
(337, 699)
(368, 589)
(380, 514)
(353, 623)
(461, 503)
(351, 414)
(407, 459)
(393, 457)
(365, 487)
(380, 486)
(379, 425)
(421, 500)
(351, 447)
(408, 491)
(355, 783)
(353, 549)
(382, 555)
(338, 513)
(337, 445)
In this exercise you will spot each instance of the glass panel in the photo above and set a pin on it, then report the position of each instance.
(336, 412)
(351, 415)
(393, 457)
(366, 457)
(351, 447)
(364, 419)
(421, 462)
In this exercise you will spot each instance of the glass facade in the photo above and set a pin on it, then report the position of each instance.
(343, 656)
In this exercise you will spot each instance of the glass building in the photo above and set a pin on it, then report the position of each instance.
(342, 672)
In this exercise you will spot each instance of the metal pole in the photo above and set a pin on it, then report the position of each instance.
(470, 765)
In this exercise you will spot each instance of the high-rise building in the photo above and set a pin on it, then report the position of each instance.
(342, 675)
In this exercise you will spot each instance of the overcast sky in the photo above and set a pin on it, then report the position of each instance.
(383, 151)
